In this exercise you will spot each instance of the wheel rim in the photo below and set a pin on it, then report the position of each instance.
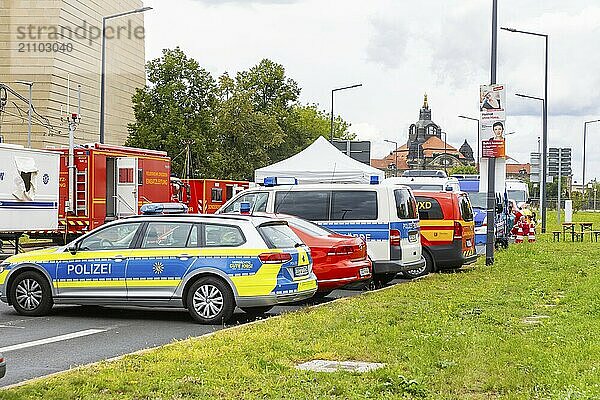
(29, 294)
(208, 301)
(418, 271)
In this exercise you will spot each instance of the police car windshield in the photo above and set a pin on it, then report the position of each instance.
(478, 200)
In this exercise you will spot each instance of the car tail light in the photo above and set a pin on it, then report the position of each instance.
(458, 230)
(274, 258)
(341, 251)
(395, 237)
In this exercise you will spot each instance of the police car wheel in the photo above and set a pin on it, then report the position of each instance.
(424, 270)
(31, 295)
(210, 301)
(257, 310)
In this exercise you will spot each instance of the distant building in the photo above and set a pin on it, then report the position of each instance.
(50, 42)
(425, 148)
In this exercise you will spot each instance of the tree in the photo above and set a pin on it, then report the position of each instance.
(463, 170)
(245, 137)
(270, 91)
(177, 106)
(304, 124)
(232, 126)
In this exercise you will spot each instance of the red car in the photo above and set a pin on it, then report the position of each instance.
(338, 260)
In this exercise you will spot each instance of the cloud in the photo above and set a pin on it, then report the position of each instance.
(389, 42)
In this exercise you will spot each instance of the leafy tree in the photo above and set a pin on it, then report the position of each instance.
(304, 124)
(232, 126)
(176, 107)
(463, 170)
(270, 91)
(245, 137)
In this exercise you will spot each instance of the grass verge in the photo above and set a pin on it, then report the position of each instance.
(468, 335)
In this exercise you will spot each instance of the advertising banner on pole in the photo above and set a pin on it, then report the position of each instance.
(492, 99)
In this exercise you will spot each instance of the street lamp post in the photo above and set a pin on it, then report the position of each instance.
(545, 126)
(583, 169)
(103, 61)
(395, 154)
(29, 111)
(332, 92)
(478, 134)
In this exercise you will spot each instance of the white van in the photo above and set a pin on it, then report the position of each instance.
(517, 190)
(385, 216)
(430, 184)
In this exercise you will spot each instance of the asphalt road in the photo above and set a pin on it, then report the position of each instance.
(78, 335)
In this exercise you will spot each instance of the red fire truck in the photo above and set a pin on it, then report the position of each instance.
(205, 196)
(110, 182)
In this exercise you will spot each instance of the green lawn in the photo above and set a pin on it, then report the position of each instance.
(449, 336)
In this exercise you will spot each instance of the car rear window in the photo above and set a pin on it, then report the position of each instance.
(310, 205)
(429, 208)
(406, 205)
(466, 211)
(279, 236)
(354, 205)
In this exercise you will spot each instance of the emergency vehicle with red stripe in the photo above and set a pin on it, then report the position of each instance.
(447, 229)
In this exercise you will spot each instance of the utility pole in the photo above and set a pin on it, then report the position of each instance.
(491, 192)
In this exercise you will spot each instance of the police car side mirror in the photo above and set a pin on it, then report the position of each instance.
(72, 248)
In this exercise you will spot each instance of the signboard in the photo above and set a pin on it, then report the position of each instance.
(358, 150)
(492, 99)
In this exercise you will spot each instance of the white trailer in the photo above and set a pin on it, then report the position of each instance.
(29, 182)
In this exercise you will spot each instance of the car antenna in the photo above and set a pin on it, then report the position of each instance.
(283, 199)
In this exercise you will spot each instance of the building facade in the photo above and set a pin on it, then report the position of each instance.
(56, 44)
(426, 148)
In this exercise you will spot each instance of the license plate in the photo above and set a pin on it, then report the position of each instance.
(413, 237)
(301, 271)
(364, 272)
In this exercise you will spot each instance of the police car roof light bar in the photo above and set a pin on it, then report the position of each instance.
(163, 208)
(374, 180)
(270, 181)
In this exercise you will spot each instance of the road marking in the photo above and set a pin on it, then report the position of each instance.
(12, 326)
(54, 339)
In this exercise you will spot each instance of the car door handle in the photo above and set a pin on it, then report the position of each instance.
(184, 257)
(118, 258)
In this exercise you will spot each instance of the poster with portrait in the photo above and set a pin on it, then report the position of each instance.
(492, 117)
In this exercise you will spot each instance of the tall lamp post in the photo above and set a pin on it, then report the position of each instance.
(103, 61)
(332, 92)
(545, 126)
(29, 111)
(478, 134)
(542, 187)
(583, 169)
(395, 154)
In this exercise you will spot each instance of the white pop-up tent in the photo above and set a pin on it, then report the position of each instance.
(321, 162)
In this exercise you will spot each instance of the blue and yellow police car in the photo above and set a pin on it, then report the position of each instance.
(204, 263)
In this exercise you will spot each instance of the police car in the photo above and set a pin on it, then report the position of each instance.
(385, 216)
(207, 264)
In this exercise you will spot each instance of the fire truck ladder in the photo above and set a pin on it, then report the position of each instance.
(81, 193)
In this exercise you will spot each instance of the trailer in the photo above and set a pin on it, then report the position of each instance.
(108, 182)
(205, 196)
(29, 195)
(29, 191)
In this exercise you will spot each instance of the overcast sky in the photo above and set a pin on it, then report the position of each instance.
(400, 49)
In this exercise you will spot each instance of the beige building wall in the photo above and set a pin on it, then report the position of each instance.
(51, 42)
